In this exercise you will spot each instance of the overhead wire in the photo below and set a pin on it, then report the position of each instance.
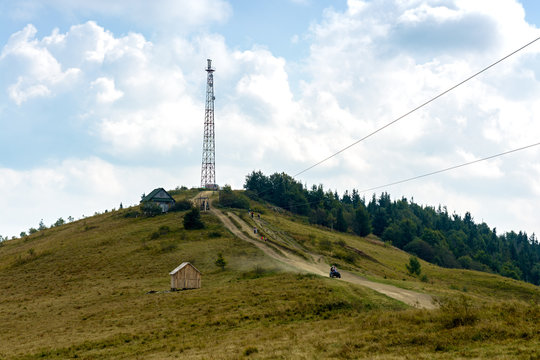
(412, 111)
(449, 168)
(418, 107)
(428, 174)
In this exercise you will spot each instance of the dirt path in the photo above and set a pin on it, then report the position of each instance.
(245, 232)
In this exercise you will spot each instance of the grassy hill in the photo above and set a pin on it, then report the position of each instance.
(80, 290)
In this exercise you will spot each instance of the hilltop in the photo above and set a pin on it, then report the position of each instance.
(97, 288)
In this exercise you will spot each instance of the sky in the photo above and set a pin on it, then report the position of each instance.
(103, 101)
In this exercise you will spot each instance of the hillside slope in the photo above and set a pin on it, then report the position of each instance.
(316, 266)
(81, 290)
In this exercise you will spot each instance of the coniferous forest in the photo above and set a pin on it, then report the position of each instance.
(448, 240)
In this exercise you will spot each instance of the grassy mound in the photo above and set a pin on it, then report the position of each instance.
(96, 289)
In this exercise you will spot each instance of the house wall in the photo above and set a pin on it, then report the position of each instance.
(186, 278)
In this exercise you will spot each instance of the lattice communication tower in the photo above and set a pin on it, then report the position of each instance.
(208, 170)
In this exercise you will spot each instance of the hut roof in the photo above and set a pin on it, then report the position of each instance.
(160, 195)
(182, 265)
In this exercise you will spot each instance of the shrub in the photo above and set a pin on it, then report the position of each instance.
(228, 198)
(445, 258)
(181, 205)
(459, 312)
(132, 214)
(421, 249)
(192, 220)
(413, 267)
(220, 262)
(41, 225)
(346, 256)
(150, 209)
(177, 190)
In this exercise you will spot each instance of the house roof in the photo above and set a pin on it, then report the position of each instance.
(158, 194)
(181, 266)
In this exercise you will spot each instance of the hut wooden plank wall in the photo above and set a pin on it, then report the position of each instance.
(185, 276)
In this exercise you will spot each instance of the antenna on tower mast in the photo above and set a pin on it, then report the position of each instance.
(208, 169)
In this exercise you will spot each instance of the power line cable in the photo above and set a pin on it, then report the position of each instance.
(291, 205)
(450, 168)
(418, 107)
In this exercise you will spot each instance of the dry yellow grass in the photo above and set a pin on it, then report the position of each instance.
(80, 290)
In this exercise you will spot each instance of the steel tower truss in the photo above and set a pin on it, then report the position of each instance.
(208, 170)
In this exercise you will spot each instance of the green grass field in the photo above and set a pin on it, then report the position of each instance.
(81, 291)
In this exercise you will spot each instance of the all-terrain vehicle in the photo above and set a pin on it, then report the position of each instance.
(335, 274)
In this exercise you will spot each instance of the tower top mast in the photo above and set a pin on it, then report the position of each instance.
(208, 168)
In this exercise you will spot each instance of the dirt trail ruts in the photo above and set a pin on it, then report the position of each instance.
(409, 297)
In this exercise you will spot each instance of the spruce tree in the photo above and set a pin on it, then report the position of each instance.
(220, 262)
(341, 223)
(362, 223)
(413, 267)
(192, 220)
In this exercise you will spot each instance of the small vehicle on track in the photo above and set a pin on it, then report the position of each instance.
(334, 273)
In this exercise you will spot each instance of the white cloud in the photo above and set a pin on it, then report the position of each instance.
(75, 187)
(20, 93)
(26, 55)
(106, 91)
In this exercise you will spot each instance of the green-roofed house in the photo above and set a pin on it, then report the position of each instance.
(161, 198)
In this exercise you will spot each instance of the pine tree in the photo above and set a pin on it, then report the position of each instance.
(192, 220)
(341, 223)
(220, 262)
(362, 223)
(413, 267)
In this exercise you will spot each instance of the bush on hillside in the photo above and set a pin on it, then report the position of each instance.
(421, 249)
(413, 267)
(177, 191)
(467, 262)
(445, 258)
(131, 214)
(220, 262)
(192, 220)
(228, 198)
(460, 311)
(181, 205)
(150, 209)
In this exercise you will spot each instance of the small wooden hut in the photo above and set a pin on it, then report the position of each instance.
(161, 198)
(185, 276)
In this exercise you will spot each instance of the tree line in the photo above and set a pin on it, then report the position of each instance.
(448, 240)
